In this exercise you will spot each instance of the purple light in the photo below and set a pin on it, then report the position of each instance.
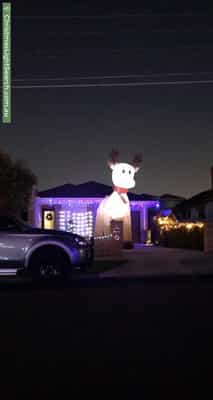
(166, 212)
(73, 205)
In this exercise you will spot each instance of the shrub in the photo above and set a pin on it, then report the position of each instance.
(182, 238)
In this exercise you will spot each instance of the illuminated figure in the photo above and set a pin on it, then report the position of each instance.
(116, 206)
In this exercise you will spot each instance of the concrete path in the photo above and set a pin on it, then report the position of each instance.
(160, 260)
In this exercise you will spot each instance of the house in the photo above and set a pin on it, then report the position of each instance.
(169, 201)
(198, 207)
(74, 207)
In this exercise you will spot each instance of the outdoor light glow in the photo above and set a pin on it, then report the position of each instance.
(81, 224)
(170, 222)
(200, 224)
(189, 226)
(75, 217)
(103, 237)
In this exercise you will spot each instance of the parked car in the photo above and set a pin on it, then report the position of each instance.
(43, 253)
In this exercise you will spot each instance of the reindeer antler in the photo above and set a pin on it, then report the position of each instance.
(137, 160)
(114, 157)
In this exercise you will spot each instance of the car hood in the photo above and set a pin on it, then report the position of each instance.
(54, 232)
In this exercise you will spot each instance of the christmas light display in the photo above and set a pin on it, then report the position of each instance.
(170, 222)
(80, 223)
(117, 206)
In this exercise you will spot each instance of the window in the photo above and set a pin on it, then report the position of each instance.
(201, 212)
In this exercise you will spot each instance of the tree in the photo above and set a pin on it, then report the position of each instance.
(17, 185)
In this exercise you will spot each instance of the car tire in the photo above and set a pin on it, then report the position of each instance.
(49, 263)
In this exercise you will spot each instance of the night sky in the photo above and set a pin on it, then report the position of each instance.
(66, 133)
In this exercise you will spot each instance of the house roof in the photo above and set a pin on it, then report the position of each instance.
(197, 200)
(58, 191)
(171, 196)
(89, 189)
(147, 196)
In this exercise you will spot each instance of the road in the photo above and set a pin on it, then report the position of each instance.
(150, 330)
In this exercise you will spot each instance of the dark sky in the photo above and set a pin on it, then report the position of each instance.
(66, 133)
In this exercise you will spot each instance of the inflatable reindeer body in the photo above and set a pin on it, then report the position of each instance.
(116, 206)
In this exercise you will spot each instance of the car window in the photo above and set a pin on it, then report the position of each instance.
(8, 224)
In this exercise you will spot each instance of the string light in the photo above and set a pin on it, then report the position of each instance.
(103, 237)
(170, 222)
(81, 223)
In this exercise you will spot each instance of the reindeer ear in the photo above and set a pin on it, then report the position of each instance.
(113, 159)
(137, 161)
(110, 164)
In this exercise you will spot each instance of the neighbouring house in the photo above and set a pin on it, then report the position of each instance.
(169, 201)
(198, 207)
(74, 207)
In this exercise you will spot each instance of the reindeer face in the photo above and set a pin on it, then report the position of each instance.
(123, 175)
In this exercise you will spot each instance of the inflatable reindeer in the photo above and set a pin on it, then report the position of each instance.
(116, 206)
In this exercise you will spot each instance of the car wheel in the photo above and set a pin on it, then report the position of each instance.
(49, 263)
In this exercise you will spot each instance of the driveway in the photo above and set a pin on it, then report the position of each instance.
(161, 260)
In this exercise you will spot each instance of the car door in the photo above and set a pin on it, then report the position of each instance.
(12, 243)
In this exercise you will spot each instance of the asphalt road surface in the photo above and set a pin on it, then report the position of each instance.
(110, 331)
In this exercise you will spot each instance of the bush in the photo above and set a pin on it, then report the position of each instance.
(181, 238)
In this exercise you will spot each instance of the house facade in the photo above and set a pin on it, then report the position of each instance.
(169, 201)
(73, 208)
(198, 207)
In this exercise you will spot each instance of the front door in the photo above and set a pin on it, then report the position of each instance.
(48, 218)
